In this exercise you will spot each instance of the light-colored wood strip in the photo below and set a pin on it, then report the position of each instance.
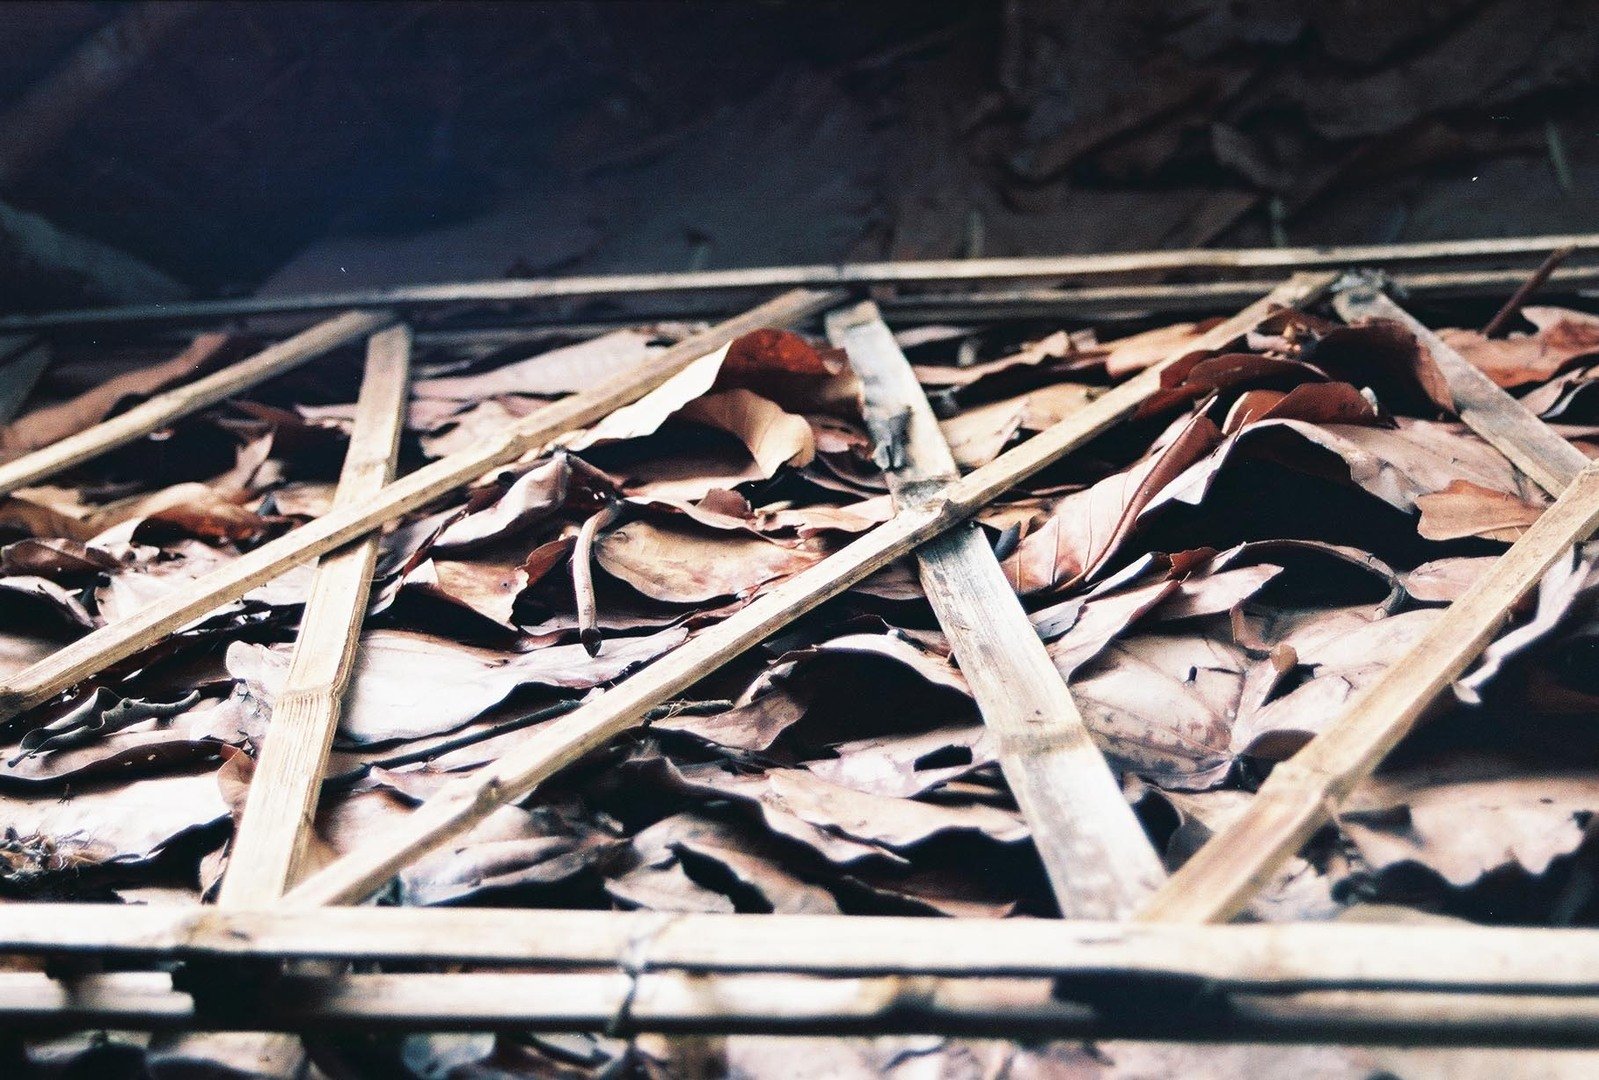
(1099, 862)
(788, 1005)
(1276, 958)
(1200, 297)
(1509, 426)
(463, 804)
(162, 409)
(828, 276)
(1302, 792)
(276, 825)
(92, 653)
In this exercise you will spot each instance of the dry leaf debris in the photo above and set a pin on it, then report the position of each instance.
(1215, 579)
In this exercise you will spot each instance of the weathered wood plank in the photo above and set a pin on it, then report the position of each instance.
(1548, 460)
(1302, 792)
(463, 804)
(276, 824)
(160, 410)
(793, 1005)
(96, 651)
(826, 276)
(1099, 862)
(1278, 957)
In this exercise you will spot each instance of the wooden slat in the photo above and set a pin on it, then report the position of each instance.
(162, 409)
(826, 276)
(94, 652)
(792, 1005)
(470, 800)
(1275, 958)
(1303, 791)
(1548, 460)
(276, 824)
(1099, 862)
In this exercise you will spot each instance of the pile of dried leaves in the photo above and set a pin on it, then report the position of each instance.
(1216, 578)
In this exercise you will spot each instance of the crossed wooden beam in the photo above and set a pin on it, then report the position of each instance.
(1099, 863)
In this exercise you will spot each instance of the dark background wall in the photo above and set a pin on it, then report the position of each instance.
(236, 146)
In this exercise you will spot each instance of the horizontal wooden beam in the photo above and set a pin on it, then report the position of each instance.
(933, 272)
(463, 803)
(619, 1003)
(1277, 958)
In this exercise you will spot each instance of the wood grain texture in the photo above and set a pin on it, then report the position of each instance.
(1099, 862)
(1504, 422)
(1260, 956)
(162, 409)
(276, 825)
(616, 1002)
(94, 652)
(562, 742)
(940, 271)
(1302, 792)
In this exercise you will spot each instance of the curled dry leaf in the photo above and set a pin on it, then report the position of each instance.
(686, 565)
(1464, 509)
(1087, 528)
(1518, 816)
(1562, 337)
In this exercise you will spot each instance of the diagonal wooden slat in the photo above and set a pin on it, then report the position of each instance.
(1305, 791)
(96, 651)
(562, 742)
(159, 411)
(1099, 862)
(1531, 445)
(276, 824)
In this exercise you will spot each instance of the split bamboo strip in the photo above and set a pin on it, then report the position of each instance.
(1099, 861)
(463, 804)
(1199, 296)
(160, 410)
(1275, 958)
(94, 652)
(787, 1005)
(1304, 791)
(1548, 460)
(276, 825)
(824, 276)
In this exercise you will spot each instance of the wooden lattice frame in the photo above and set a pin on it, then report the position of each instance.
(243, 963)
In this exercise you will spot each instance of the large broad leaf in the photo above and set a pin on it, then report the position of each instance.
(408, 685)
(686, 565)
